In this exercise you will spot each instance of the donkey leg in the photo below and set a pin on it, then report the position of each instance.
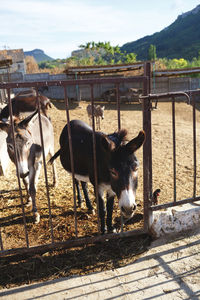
(33, 180)
(54, 174)
(54, 171)
(109, 207)
(102, 213)
(79, 197)
(97, 123)
(26, 184)
(87, 199)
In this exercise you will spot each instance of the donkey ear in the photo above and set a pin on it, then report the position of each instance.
(107, 144)
(136, 143)
(4, 126)
(25, 122)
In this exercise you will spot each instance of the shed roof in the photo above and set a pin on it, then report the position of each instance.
(176, 72)
(101, 69)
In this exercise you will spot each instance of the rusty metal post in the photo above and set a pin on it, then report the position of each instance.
(147, 149)
(194, 146)
(1, 241)
(119, 127)
(95, 156)
(71, 158)
(118, 106)
(174, 145)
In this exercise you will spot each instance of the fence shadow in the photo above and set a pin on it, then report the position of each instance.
(148, 275)
(17, 270)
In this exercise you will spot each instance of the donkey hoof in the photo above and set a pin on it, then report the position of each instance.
(91, 211)
(37, 218)
(111, 230)
(54, 184)
(28, 204)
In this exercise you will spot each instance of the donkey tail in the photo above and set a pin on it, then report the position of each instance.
(54, 157)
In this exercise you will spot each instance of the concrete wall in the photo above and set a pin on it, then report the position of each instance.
(159, 85)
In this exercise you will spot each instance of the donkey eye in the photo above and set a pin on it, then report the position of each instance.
(10, 147)
(114, 173)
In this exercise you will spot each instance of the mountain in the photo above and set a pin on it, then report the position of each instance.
(179, 40)
(38, 54)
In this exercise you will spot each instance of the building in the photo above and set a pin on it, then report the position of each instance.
(18, 61)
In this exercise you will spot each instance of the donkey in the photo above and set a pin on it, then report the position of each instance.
(117, 166)
(29, 152)
(26, 101)
(98, 114)
(119, 139)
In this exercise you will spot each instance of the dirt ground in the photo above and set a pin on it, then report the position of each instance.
(61, 197)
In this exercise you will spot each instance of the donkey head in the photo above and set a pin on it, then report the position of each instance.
(123, 167)
(24, 142)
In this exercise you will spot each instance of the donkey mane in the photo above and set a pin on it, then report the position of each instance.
(118, 137)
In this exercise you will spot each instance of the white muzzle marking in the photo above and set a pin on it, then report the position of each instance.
(23, 168)
(127, 203)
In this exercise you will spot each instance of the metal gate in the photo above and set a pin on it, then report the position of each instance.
(191, 98)
(145, 83)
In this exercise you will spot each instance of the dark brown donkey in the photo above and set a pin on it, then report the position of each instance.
(26, 101)
(117, 166)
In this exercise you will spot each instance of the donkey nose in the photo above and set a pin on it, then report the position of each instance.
(134, 207)
(128, 211)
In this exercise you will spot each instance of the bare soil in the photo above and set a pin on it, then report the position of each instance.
(102, 256)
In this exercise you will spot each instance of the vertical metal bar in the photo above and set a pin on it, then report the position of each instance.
(17, 168)
(194, 146)
(119, 127)
(44, 164)
(174, 145)
(71, 158)
(118, 106)
(147, 148)
(95, 156)
(1, 242)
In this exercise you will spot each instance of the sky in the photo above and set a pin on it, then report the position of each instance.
(59, 26)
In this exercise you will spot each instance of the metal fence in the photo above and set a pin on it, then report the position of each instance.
(145, 82)
(191, 97)
(147, 101)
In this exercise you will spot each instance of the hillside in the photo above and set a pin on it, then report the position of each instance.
(39, 55)
(179, 40)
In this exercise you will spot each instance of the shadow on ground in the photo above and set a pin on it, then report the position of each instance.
(18, 270)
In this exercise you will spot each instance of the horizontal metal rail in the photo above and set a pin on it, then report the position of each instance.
(6, 85)
(177, 203)
(77, 242)
(168, 95)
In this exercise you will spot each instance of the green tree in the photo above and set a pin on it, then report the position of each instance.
(152, 52)
(130, 58)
